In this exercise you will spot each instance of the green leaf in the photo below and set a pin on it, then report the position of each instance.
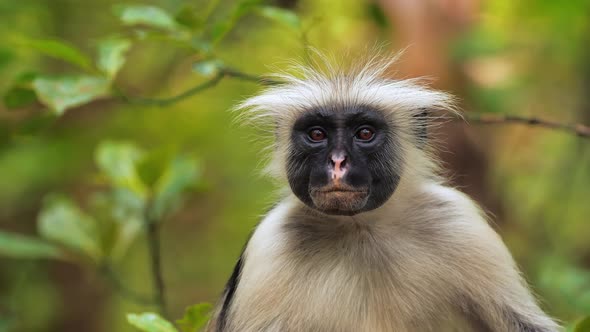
(154, 163)
(245, 6)
(21, 246)
(375, 12)
(150, 322)
(65, 92)
(111, 55)
(200, 45)
(35, 123)
(280, 15)
(7, 324)
(583, 325)
(25, 79)
(195, 317)
(226, 25)
(21, 93)
(118, 160)
(180, 38)
(6, 57)
(124, 211)
(17, 97)
(121, 215)
(187, 16)
(220, 29)
(62, 221)
(60, 50)
(178, 176)
(208, 67)
(146, 15)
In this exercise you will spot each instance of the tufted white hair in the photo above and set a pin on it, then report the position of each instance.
(303, 88)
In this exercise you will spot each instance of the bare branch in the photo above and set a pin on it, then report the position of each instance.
(174, 99)
(223, 72)
(233, 73)
(153, 239)
(491, 118)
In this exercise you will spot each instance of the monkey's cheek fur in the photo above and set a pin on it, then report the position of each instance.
(340, 202)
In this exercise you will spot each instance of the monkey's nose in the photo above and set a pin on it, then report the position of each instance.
(338, 162)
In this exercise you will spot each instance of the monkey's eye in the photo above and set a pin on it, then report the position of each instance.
(317, 135)
(365, 134)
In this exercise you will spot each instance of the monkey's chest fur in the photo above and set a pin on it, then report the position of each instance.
(321, 276)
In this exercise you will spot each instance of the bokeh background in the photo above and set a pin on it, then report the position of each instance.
(527, 58)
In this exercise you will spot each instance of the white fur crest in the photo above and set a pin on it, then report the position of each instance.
(321, 85)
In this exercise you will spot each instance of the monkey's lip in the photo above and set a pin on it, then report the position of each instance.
(339, 188)
(340, 191)
(336, 188)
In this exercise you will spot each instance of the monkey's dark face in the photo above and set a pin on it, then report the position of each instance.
(343, 160)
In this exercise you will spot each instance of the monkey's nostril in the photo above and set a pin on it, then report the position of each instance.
(343, 163)
(338, 161)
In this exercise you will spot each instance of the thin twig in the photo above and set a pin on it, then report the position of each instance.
(127, 293)
(153, 237)
(479, 118)
(174, 99)
(223, 72)
(486, 118)
(233, 73)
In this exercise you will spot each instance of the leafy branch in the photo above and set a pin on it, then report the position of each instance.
(473, 117)
(222, 73)
(62, 93)
(103, 234)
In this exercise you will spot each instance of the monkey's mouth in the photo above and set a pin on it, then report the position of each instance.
(339, 199)
(341, 191)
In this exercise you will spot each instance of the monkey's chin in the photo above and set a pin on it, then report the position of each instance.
(340, 202)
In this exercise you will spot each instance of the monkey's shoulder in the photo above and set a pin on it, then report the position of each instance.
(445, 201)
(442, 212)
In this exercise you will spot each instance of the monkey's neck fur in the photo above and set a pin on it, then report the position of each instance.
(425, 261)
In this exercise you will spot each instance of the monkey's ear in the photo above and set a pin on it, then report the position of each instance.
(421, 127)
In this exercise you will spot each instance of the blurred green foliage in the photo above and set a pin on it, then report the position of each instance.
(150, 322)
(84, 94)
(195, 317)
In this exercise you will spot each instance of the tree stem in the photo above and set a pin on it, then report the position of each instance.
(153, 236)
